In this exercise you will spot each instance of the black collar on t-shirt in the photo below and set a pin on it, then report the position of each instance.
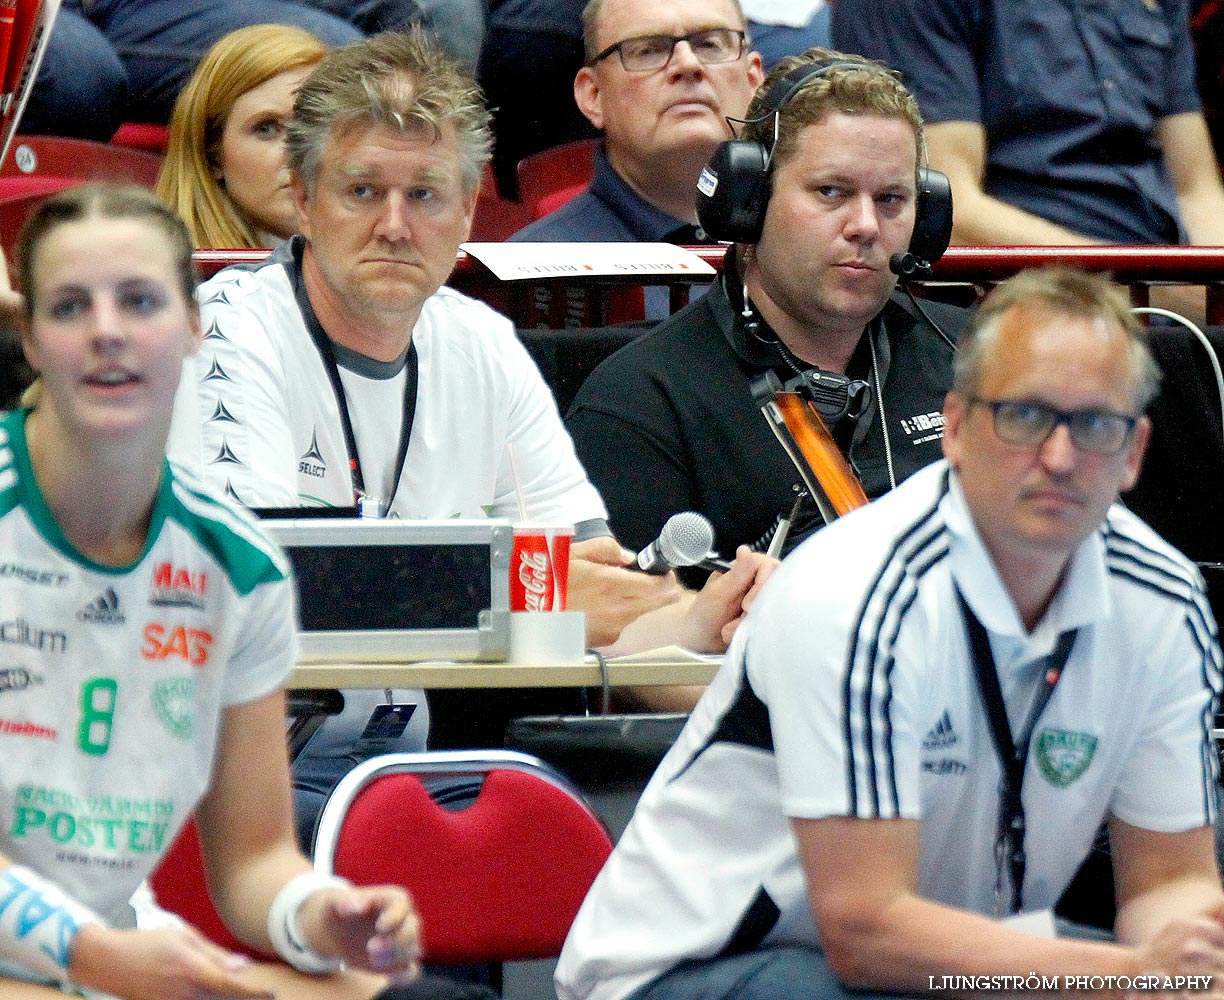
(330, 353)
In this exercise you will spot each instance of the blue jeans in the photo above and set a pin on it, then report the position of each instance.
(781, 973)
(81, 88)
(345, 740)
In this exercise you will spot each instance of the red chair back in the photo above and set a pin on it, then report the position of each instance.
(80, 160)
(495, 217)
(142, 135)
(549, 178)
(179, 886)
(501, 880)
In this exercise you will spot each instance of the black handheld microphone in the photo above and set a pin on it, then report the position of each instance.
(686, 539)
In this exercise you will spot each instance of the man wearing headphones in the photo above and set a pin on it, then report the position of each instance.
(819, 196)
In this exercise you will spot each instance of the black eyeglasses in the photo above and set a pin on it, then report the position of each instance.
(1024, 423)
(650, 52)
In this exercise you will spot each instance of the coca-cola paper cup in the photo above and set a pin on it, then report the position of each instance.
(556, 637)
(539, 567)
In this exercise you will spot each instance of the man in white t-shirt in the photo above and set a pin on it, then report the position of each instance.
(342, 369)
(842, 815)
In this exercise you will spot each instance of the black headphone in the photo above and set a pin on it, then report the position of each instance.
(733, 191)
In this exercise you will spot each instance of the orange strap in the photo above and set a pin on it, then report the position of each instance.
(828, 464)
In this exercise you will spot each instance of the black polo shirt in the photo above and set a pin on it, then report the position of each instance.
(668, 422)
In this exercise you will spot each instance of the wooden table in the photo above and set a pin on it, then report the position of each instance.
(585, 673)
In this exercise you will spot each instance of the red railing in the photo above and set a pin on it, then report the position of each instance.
(595, 301)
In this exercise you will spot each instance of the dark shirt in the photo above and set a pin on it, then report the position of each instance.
(1069, 93)
(610, 211)
(668, 423)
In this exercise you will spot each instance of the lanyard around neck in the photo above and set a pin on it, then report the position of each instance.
(328, 355)
(1012, 753)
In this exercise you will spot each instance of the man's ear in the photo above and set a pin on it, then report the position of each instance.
(588, 96)
(470, 211)
(756, 71)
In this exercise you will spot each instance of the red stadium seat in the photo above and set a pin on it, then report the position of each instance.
(40, 165)
(500, 880)
(142, 135)
(495, 217)
(18, 197)
(79, 159)
(555, 174)
(20, 188)
(555, 199)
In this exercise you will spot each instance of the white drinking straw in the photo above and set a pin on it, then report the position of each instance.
(518, 486)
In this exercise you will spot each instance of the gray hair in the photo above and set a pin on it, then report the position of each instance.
(1053, 291)
(594, 10)
(400, 81)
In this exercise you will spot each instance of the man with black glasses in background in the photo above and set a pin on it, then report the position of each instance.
(660, 80)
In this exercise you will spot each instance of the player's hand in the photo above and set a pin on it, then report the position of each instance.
(611, 595)
(167, 963)
(722, 603)
(375, 928)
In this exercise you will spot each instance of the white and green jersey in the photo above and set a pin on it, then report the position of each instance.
(112, 680)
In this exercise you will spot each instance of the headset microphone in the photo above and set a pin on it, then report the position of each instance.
(906, 265)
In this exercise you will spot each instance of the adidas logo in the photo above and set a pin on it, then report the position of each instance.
(103, 610)
(941, 735)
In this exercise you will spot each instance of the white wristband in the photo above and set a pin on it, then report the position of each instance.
(283, 927)
(38, 922)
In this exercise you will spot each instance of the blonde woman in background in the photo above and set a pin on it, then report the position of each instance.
(225, 172)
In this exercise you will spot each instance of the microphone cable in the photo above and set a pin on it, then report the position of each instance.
(879, 391)
(1193, 327)
(909, 292)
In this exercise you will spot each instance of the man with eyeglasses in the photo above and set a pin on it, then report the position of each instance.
(660, 80)
(934, 705)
